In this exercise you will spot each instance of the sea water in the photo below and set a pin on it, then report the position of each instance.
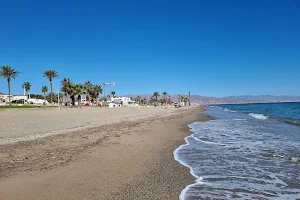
(247, 152)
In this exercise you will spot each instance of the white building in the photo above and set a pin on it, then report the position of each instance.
(119, 99)
(5, 97)
(38, 101)
(125, 101)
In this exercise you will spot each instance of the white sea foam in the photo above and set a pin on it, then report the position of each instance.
(240, 119)
(228, 110)
(258, 116)
(207, 142)
(198, 178)
(215, 107)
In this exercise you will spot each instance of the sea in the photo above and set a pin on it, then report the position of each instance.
(249, 151)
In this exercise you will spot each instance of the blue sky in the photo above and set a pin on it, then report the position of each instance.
(212, 48)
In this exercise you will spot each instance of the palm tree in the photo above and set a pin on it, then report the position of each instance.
(50, 74)
(181, 98)
(59, 97)
(71, 90)
(156, 95)
(189, 96)
(138, 99)
(88, 87)
(44, 90)
(97, 90)
(151, 100)
(8, 73)
(143, 101)
(66, 87)
(77, 91)
(185, 100)
(165, 97)
(113, 93)
(26, 86)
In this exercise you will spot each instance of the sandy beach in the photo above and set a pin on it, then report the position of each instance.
(28, 124)
(93, 153)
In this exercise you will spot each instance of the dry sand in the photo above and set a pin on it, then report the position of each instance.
(125, 160)
(28, 124)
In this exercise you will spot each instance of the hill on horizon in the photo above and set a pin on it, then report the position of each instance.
(267, 97)
(230, 99)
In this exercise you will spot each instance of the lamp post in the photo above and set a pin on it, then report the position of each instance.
(24, 96)
(189, 98)
(104, 86)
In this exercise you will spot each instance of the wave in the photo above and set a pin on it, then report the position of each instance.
(228, 110)
(239, 119)
(199, 180)
(207, 142)
(216, 107)
(259, 116)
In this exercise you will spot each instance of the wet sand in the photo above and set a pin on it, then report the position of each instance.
(125, 160)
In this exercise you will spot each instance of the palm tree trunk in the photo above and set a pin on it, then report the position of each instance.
(79, 101)
(51, 96)
(45, 98)
(8, 83)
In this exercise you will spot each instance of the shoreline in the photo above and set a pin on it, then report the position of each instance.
(131, 160)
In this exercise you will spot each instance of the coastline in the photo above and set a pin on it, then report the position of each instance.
(131, 160)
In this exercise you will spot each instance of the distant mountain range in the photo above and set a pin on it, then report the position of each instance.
(266, 98)
(230, 99)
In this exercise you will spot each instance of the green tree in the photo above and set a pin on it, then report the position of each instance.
(97, 90)
(59, 97)
(26, 86)
(182, 98)
(36, 96)
(138, 99)
(72, 90)
(113, 94)
(50, 74)
(165, 97)
(169, 100)
(156, 95)
(152, 100)
(48, 97)
(143, 101)
(88, 87)
(66, 88)
(78, 90)
(185, 100)
(44, 90)
(7, 72)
